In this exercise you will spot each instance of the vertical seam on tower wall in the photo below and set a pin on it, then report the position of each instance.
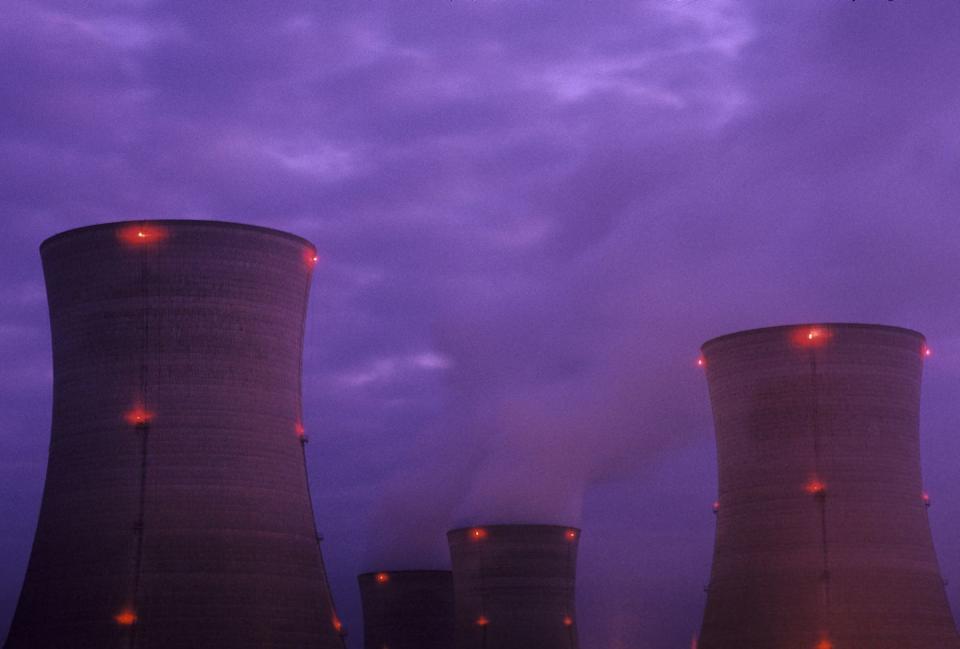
(570, 593)
(820, 498)
(144, 438)
(483, 595)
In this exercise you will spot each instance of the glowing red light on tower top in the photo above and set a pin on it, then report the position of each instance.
(824, 644)
(701, 362)
(299, 430)
(125, 618)
(571, 535)
(478, 533)
(567, 620)
(383, 577)
(337, 624)
(482, 621)
(926, 499)
(141, 234)
(811, 336)
(927, 351)
(716, 506)
(310, 257)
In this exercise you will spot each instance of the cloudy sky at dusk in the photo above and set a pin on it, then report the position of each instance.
(530, 215)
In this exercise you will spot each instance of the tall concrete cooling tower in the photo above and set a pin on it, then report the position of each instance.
(822, 533)
(407, 609)
(176, 512)
(514, 586)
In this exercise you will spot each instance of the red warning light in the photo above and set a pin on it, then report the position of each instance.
(815, 487)
(478, 533)
(125, 618)
(337, 624)
(299, 430)
(716, 506)
(927, 351)
(383, 577)
(926, 499)
(811, 336)
(571, 535)
(138, 416)
(310, 257)
(482, 621)
(567, 620)
(824, 644)
(701, 362)
(140, 234)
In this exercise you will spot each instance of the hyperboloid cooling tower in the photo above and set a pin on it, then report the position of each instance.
(407, 609)
(822, 533)
(514, 586)
(176, 512)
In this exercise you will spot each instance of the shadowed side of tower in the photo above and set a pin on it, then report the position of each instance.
(176, 512)
(514, 586)
(407, 609)
(822, 536)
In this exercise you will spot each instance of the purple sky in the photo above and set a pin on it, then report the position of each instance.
(530, 215)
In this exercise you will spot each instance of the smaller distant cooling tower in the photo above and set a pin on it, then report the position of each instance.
(514, 586)
(407, 609)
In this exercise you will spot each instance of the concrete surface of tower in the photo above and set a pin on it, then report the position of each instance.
(176, 512)
(407, 609)
(822, 536)
(514, 586)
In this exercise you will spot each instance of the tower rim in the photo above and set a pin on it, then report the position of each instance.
(112, 225)
(405, 572)
(800, 325)
(512, 526)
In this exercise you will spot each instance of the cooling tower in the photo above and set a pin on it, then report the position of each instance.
(514, 586)
(407, 609)
(176, 512)
(822, 533)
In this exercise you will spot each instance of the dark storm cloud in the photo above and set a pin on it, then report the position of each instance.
(530, 215)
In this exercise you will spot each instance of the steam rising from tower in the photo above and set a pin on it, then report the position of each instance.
(176, 512)
(822, 533)
(514, 586)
